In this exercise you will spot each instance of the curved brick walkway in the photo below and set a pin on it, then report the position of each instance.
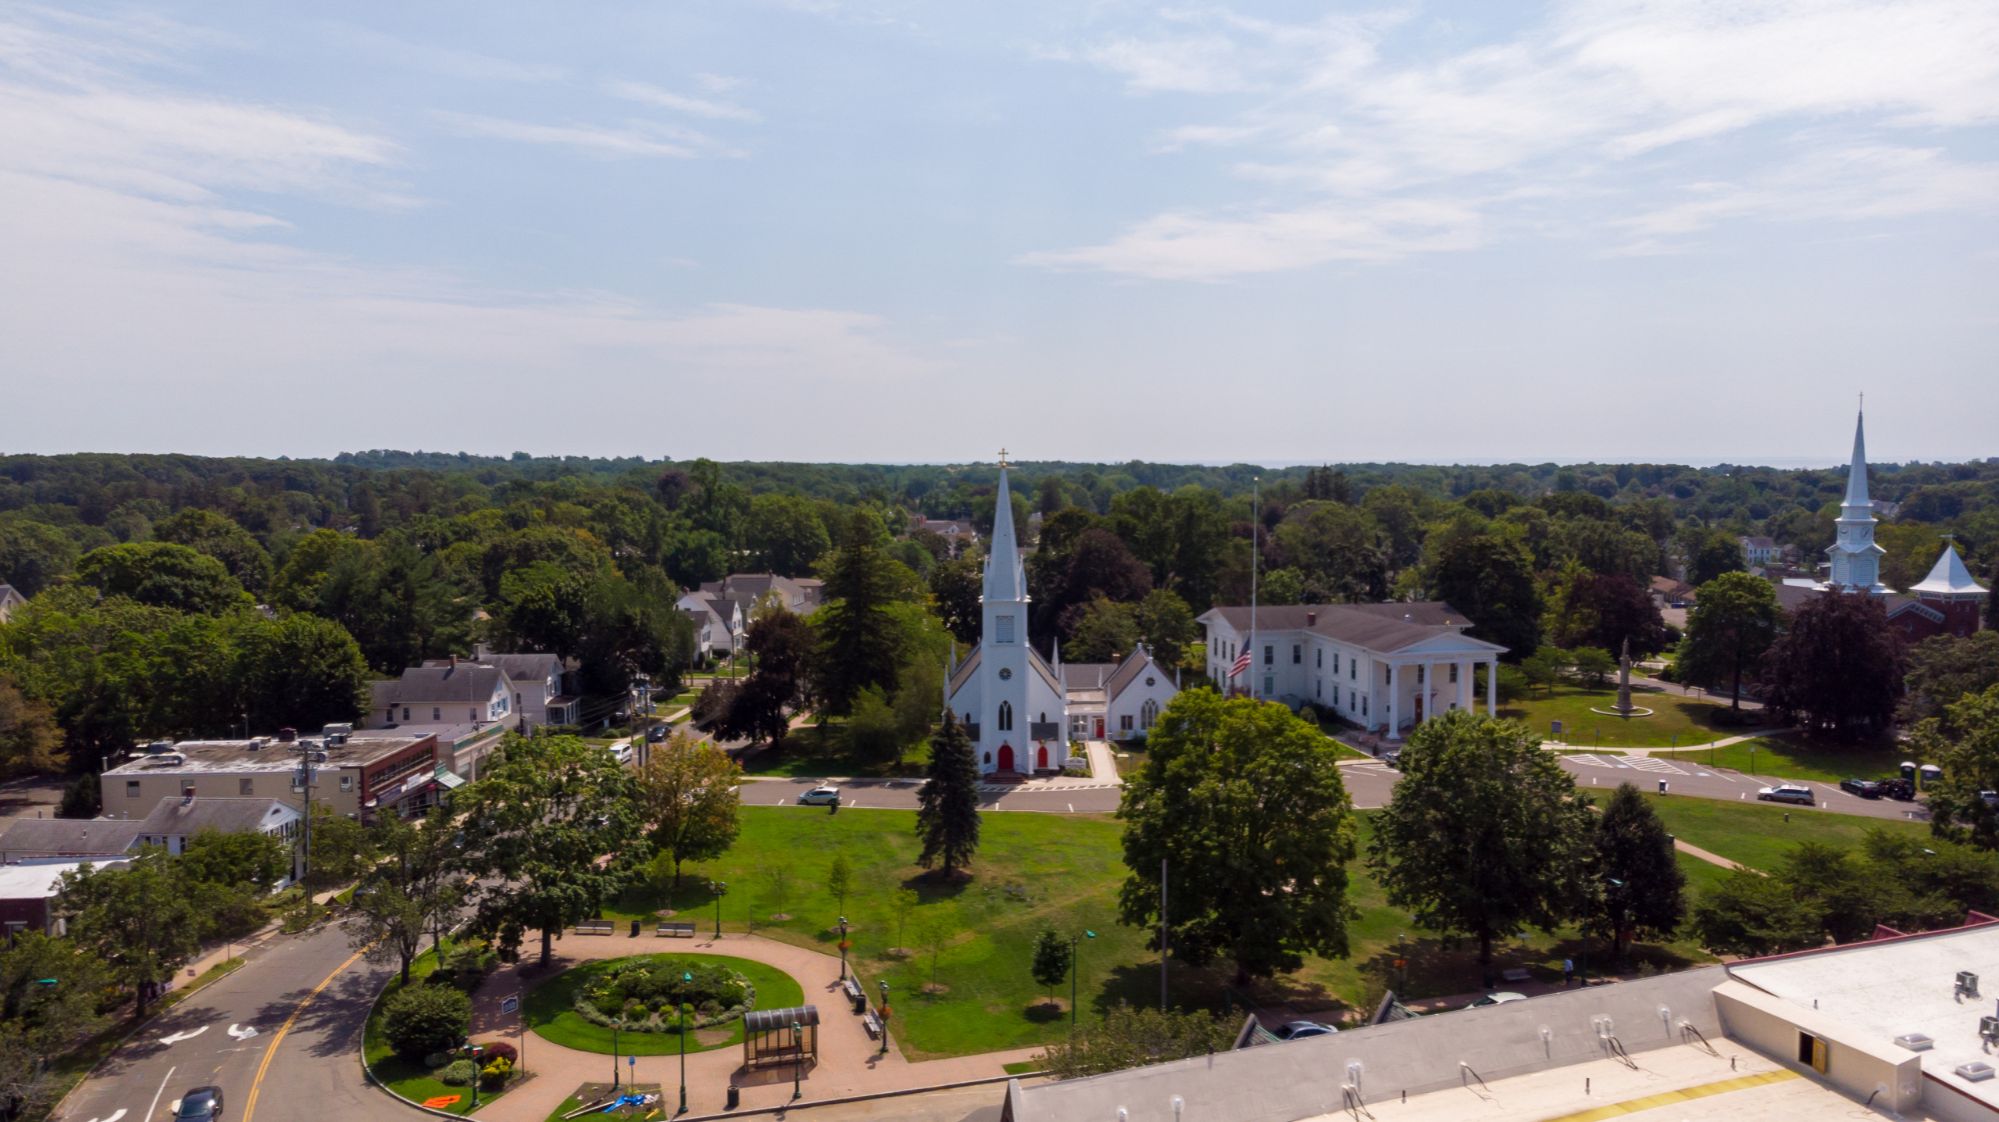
(850, 1062)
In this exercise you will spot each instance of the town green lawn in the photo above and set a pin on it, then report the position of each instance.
(412, 1081)
(1755, 833)
(1036, 871)
(1797, 756)
(551, 1009)
(597, 1092)
(1675, 719)
(816, 752)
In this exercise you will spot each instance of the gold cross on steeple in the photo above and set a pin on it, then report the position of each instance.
(1003, 457)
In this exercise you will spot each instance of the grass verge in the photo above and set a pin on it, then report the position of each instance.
(412, 1081)
(1798, 756)
(551, 1009)
(1757, 835)
(1675, 720)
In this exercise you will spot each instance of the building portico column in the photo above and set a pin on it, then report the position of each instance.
(1394, 733)
(1464, 666)
(1492, 687)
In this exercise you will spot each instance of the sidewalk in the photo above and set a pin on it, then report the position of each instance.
(1753, 734)
(236, 948)
(850, 1062)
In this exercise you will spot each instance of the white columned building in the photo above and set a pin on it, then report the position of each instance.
(1383, 667)
(1010, 701)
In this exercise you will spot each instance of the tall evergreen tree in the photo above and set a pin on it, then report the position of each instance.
(948, 820)
(1639, 886)
(860, 640)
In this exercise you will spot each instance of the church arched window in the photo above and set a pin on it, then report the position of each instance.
(1148, 713)
(1043, 718)
(1006, 716)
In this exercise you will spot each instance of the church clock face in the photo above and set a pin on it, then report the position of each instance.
(1005, 673)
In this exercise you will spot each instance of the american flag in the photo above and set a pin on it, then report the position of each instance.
(1242, 658)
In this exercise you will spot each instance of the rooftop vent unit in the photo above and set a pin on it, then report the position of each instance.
(1977, 1071)
(1967, 984)
(1988, 1029)
(1916, 1041)
(160, 746)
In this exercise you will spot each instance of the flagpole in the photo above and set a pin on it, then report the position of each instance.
(1255, 561)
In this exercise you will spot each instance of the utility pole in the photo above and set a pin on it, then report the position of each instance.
(1162, 934)
(305, 775)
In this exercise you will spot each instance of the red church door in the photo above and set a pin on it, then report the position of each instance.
(1041, 758)
(1100, 728)
(1006, 757)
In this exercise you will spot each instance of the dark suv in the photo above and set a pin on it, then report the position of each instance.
(1865, 788)
(1900, 789)
(203, 1104)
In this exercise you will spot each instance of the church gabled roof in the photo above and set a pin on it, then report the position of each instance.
(1949, 577)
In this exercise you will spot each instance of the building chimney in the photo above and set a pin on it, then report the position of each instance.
(1311, 618)
(187, 796)
(454, 662)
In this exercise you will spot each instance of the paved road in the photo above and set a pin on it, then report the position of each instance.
(1369, 783)
(302, 1063)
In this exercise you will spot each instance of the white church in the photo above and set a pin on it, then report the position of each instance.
(1010, 700)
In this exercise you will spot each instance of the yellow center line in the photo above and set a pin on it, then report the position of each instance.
(1666, 1098)
(250, 1102)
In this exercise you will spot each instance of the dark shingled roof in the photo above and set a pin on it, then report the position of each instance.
(464, 682)
(67, 837)
(175, 816)
(1374, 627)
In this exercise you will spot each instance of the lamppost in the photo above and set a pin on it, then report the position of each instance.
(884, 1018)
(843, 948)
(1074, 961)
(721, 890)
(476, 1072)
(616, 1024)
(797, 1060)
(685, 979)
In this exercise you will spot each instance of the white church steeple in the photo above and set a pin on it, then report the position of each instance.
(1004, 579)
(1856, 559)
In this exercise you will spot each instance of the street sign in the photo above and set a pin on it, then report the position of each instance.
(510, 1004)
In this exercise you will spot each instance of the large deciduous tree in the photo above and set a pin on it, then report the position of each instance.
(780, 644)
(161, 574)
(1639, 889)
(30, 742)
(1490, 578)
(1945, 668)
(1751, 914)
(219, 537)
(301, 671)
(143, 921)
(1732, 624)
(1837, 668)
(784, 534)
(1964, 741)
(687, 800)
(542, 813)
(1711, 554)
(411, 889)
(947, 818)
(1245, 803)
(1485, 834)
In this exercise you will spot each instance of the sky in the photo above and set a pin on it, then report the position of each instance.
(898, 231)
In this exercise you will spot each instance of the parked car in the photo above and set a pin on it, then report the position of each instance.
(1500, 998)
(1392, 757)
(203, 1104)
(820, 796)
(1299, 1030)
(657, 733)
(1898, 789)
(1865, 788)
(1788, 793)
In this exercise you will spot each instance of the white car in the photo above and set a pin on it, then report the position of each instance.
(1500, 998)
(820, 796)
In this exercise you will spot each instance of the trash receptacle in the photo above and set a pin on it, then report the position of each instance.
(861, 1004)
(1662, 786)
(635, 929)
(735, 1098)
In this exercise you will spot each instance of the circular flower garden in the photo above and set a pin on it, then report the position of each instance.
(640, 998)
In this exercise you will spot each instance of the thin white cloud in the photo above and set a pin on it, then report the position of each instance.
(666, 99)
(451, 62)
(642, 138)
(1604, 100)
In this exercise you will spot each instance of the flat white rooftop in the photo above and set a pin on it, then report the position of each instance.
(1680, 1084)
(1899, 986)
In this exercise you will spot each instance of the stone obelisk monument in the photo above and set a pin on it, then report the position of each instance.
(1624, 679)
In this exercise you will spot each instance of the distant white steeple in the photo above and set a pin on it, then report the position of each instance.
(1004, 580)
(1856, 559)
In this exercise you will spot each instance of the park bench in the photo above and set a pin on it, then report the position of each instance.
(873, 1024)
(853, 987)
(595, 926)
(674, 931)
(1517, 974)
